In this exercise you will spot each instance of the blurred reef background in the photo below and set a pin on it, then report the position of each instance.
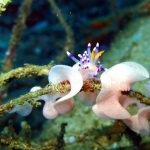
(39, 33)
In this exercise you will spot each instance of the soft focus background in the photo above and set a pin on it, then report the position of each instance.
(122, 27)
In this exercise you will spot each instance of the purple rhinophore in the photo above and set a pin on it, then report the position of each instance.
(89, 50)
(85, 60)
(89, 46)
(97, 48)
(70, 55)
(80, 56)
(98, 70)
(82, 61)
(95, 75)
(98, 63)
(102, 68)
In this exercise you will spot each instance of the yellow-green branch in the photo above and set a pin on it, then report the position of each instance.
(24, 72)
(16, 34)
(63, 87)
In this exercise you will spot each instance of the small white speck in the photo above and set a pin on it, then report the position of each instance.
(7, 53)
(72, 139)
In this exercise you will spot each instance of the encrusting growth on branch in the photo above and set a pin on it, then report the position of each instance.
(139, 96)
(24, 72)
(63, 87)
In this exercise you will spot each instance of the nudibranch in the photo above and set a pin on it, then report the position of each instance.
(88, 64)
(115, 80)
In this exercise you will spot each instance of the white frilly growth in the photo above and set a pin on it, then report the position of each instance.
(121, 76)
(65, 107)
(114, 80)
(61, 73)
(109, 107)
(49, 112)
(26, 108)
(144, 118)
(139, 123)
(35, 88)
(23, 110)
